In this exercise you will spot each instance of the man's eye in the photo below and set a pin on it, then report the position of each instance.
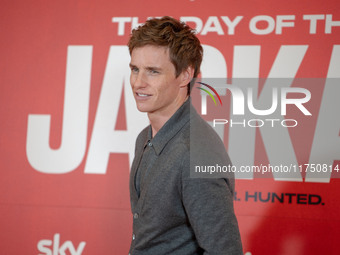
(154, 72)
(134, 69)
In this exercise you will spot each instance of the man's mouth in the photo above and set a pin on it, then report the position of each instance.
(142, 95)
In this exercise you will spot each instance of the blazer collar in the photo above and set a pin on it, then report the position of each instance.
(171, 127)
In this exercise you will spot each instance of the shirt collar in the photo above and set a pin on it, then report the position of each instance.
(171, 127)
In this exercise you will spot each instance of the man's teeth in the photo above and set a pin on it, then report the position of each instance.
(142, 95)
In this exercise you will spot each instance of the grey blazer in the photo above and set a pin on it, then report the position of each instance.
(177, 212)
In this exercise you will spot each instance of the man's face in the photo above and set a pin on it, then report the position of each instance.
(153, 79)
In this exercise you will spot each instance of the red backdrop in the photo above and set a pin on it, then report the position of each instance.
(68, 120)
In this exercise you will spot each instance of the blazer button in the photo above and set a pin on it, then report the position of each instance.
(135, 216)
(133, 236)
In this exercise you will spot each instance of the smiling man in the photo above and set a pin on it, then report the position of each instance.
(172, 212)
(157, 89)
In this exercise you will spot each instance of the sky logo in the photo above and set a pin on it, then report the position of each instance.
(54, 247)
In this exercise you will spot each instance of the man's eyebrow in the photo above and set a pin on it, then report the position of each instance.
(147, 68)
(153, 68)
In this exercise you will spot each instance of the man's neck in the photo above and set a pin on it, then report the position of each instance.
(158, 119)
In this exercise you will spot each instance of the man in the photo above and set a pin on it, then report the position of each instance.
(174, 213)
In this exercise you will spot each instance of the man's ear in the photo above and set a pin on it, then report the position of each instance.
(187, 76)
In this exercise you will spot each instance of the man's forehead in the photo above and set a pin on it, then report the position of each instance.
(150, 55)
(151, 51)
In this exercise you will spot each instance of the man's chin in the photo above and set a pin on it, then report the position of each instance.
(146, 107)
(142, 108)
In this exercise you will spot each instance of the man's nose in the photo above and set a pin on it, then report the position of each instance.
(138, 81)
